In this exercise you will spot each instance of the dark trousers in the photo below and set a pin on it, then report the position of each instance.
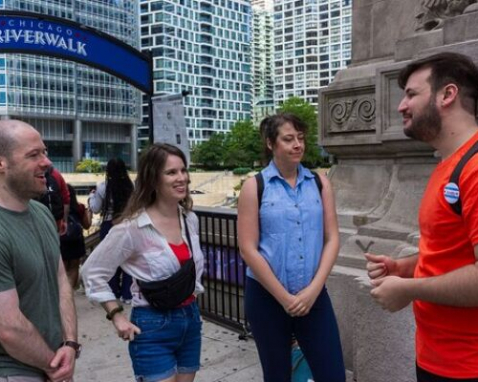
(121, 282)
(425, 376)
(317, 334)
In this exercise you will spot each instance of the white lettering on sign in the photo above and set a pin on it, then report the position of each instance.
(48, 35)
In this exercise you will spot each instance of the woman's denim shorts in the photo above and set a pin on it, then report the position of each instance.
(169, 343)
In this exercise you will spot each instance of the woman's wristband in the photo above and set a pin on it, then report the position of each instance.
(110, 315)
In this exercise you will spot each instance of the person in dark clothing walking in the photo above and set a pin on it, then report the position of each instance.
(72, 243)
(110, 199)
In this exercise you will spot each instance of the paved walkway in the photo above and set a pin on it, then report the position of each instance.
(224, 358)
(216, 186)
(105, 358)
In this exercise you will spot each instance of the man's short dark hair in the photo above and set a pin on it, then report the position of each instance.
(446, 68)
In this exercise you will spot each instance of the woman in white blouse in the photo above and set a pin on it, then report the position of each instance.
(158, 234)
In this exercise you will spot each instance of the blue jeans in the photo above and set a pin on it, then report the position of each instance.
(120, 283)
(169, 343)
(317, 334)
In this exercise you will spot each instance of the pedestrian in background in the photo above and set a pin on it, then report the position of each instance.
(158, 239)
(72, 243)
(56, 198)
(290, 245)
(110, 198)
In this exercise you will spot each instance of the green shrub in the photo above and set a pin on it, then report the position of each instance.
(241, 170)
(89, 165)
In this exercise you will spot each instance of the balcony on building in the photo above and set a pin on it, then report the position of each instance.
(209, 113)
(205, 17)
(205, 39)
(204, 102)
(208, 92)
(205, 60)
(205, 81)
(206, 6)
(206, 124)
(209, 50)
(208, 71)
(206, 28)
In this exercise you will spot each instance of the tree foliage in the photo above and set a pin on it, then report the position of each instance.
(306, 112)
(88, 165)
(241, 147)
(210, 153)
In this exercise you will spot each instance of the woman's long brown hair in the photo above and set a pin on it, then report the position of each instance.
(151, 165)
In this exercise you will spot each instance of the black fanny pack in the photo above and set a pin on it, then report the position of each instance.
(171, 292)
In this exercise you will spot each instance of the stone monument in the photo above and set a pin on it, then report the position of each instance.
(380, 174)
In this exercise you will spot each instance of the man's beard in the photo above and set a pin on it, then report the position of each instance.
(23, 186)
(426, 126)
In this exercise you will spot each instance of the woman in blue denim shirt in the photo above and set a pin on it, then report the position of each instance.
(290, 245)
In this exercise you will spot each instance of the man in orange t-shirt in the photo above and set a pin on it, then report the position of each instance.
(441, 280)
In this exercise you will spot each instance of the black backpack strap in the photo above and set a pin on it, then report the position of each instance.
(318, 181)
(455, 176)
(260, 186)
(260, 189)
(188, 236)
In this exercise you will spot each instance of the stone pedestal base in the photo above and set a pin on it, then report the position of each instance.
(378, 346)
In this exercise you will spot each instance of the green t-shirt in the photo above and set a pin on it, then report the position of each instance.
(29, 258)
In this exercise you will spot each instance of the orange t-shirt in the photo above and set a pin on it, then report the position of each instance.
(447, 337)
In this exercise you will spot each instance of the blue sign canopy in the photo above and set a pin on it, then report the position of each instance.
(32, 33)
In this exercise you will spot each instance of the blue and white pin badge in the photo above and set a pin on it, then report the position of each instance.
(451, 193)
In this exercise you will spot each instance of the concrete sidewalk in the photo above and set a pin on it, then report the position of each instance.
(224, 358)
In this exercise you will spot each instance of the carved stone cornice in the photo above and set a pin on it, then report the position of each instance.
(434, 12)
(351, 114)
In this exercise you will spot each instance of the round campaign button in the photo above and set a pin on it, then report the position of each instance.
(451, 193)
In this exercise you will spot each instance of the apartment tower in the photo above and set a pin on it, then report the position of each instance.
(80, 111)
(262, 57)
(202, 48)
(312, 41)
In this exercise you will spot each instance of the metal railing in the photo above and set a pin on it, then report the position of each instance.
(224, 271)
(91, 241)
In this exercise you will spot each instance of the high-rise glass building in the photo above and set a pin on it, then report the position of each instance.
(262, 4)
(80, 111)
(202, 47)
(312, 41)
(262, 57)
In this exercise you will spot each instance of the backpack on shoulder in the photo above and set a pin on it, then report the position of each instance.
(52, 197)
(452, 189)
(260, 186)
(74, 230)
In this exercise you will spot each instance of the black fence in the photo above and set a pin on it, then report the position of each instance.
(224, 270)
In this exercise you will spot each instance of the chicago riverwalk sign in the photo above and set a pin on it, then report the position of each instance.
(33, 33)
